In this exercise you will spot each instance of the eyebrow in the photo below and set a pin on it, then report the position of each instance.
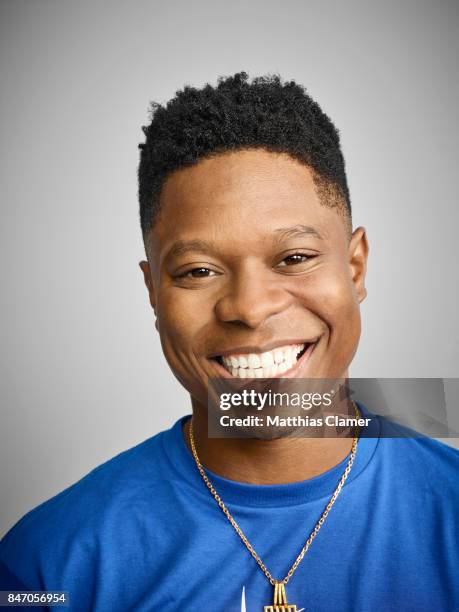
(182, 247)
(297, 231)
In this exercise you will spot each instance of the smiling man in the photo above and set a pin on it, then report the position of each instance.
(253, 271)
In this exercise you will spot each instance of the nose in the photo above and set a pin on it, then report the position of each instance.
(252, 298)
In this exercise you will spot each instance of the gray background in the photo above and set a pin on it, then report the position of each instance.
(83, 376)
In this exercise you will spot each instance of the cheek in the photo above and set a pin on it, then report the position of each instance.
(184, 322)
(183, 316)
(331, 295)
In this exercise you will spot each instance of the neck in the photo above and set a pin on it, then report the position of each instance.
(279, 461)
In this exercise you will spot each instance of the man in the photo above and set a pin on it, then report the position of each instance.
(253, 270)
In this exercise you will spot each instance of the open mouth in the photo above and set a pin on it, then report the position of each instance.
(270, 364)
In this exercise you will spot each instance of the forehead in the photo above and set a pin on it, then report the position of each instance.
(240, 197)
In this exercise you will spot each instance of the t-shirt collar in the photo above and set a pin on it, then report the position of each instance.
(251, 495)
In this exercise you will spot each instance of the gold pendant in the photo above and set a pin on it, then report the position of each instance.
(280, 600)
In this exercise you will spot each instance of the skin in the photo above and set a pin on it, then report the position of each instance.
(254, 286)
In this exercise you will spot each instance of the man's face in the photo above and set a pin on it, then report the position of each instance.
(250, 275)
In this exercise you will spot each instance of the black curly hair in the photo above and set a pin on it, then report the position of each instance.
(237, 114)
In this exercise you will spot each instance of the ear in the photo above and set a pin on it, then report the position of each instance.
(145, 267)
(358, 256)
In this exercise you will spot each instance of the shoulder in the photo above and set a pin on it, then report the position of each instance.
(428, 463)
(71, 523)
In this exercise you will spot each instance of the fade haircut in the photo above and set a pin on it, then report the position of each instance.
(237, 114)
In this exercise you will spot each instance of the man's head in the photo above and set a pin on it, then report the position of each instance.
(246, 218)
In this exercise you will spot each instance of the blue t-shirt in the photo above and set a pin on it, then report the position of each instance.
(142, 532)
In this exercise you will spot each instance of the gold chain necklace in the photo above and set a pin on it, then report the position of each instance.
(280, 599)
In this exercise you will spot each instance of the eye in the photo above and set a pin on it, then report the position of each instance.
(196, 273)
(295, 258)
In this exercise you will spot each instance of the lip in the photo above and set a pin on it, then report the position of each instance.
(246, 349)
(223, 372)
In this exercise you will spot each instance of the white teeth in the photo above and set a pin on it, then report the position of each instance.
(267, 360)
(282, 367)
(263, 365)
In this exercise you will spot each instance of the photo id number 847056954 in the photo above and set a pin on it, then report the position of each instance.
(34, 598)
